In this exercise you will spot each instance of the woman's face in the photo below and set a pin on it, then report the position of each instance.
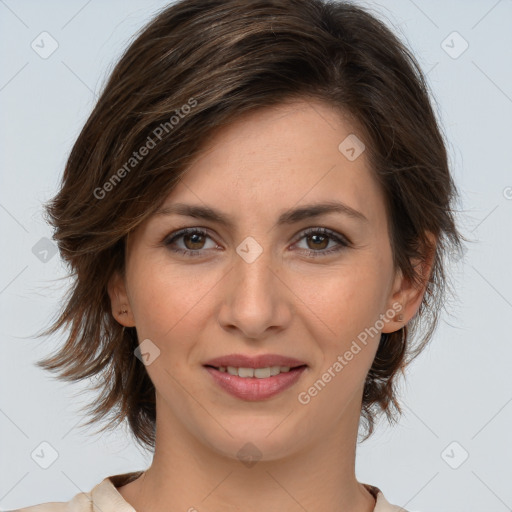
(258, 285)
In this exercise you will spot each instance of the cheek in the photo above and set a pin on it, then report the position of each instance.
(167, 300)
(343, 301)
(344, 309)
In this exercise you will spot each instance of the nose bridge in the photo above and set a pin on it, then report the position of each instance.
(253, 303)
(254, 266)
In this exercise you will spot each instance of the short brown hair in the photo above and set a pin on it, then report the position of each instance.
(197, 66)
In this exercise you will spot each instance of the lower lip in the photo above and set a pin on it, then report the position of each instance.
(252, 388)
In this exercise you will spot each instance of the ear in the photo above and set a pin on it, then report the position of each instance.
(407, 295)
(121, 309)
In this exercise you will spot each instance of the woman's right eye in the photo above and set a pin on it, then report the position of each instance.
(194, 240)
(192, 237)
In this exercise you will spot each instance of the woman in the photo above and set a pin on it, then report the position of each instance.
(256, 215)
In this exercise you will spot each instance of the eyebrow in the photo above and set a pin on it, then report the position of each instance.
(288, 217)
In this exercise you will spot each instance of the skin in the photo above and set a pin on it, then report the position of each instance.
(195, 308)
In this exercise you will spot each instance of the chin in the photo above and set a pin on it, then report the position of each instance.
(253, 440)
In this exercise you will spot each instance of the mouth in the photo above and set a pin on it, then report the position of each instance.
(257, 373)
(255, 384)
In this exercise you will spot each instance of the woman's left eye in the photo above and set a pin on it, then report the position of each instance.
(321, 237)
(194, 241)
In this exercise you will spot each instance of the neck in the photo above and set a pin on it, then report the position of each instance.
(189, 476)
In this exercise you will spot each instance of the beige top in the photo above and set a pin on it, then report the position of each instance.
(106, 498)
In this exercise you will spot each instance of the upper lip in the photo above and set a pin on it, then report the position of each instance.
(261, 361)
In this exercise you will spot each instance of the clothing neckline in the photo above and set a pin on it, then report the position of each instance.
(108, 489)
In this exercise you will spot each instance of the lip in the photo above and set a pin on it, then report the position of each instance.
(252, 388)
(261, 361)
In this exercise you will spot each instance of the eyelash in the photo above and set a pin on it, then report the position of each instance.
(342, 241)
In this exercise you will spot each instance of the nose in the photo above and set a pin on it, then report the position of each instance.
(255, 298)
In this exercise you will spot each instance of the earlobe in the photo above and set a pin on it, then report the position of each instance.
(121, 309)
(408, 295)
(396, 314)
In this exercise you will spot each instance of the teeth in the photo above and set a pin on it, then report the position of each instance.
(259, 373)
(275, 370)
(246, 372)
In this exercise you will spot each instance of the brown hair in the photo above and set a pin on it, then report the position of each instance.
(194, 68)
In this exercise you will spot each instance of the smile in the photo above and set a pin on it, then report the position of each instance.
(259, 373)
(254, 384)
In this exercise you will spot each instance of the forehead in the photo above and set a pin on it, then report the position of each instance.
(274, 158)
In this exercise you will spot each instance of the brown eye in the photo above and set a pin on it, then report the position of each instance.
(318, 239)
(193, 241)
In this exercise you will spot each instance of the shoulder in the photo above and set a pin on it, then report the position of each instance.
(381, 503)
(80, 503)
(104, 496)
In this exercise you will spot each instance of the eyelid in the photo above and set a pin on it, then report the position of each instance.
(324, 231)
(168, 239)
(341, 240)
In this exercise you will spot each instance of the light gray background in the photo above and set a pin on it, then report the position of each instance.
(459, 390)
